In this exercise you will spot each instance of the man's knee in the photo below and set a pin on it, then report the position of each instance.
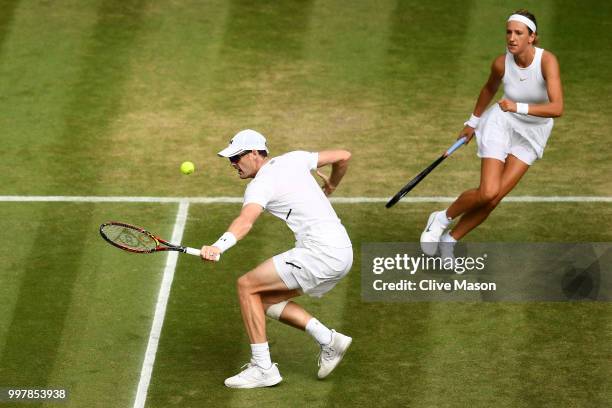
(244, 284)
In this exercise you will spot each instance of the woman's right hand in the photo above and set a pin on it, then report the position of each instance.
(467, 132)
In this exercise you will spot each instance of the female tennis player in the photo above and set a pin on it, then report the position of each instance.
(511, 134)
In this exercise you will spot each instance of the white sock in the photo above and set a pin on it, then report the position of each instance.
(447, 237)
(261, 355)
(443, 219)
(318, 330)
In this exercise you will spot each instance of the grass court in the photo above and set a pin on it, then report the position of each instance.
(106, 98)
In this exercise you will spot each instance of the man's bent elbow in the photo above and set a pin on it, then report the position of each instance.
(345, 155)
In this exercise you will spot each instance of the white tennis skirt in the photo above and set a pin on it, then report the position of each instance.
(501, 133)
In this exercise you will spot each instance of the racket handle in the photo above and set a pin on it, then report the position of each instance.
(197, 252)
(192, 251)
(454, 147)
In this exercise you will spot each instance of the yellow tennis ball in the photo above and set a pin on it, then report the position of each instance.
(187, 167)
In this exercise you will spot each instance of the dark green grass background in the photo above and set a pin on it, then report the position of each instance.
(109, 97)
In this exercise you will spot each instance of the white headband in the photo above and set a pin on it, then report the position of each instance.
(524, 20)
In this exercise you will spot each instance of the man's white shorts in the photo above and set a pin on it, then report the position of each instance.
(314, 270)
(498, 135)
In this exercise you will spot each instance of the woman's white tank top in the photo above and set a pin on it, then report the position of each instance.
(526, 85)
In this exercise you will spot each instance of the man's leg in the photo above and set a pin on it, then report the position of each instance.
(261, 372)
(261, 289)
(251, 285)
(333, 345)
(278, 307)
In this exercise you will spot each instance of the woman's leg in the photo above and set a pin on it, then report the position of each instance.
(513, 171)
(491, 171)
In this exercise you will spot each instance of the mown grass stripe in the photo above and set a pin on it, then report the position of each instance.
(455, 330)
(95, 101)
(569, 344)
(8, 8)
(251, 53)
(45, 295)
(412, 71)
(391, 343)
(28, 358)
(160, 308)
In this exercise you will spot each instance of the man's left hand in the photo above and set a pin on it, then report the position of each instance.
(327, 187)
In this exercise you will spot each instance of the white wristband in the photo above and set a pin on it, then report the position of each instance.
(225, 242)
(472, 122)
(522, 108)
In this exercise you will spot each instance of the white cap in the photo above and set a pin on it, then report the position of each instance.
(243, 141)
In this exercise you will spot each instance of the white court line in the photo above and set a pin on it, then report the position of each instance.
(121, 199)
(339, 200)
(160, 308)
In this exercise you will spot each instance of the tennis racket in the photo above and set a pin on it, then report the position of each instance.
(135, 239)
(419, 177)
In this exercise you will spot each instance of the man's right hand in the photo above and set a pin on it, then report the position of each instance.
(210, 253)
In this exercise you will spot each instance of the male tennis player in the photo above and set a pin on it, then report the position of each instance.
(323, 254)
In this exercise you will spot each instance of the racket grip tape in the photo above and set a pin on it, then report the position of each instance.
(197, 252)
(457, 145)
(192, 251)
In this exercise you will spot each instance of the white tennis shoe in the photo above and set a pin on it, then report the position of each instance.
(253, 376)
(332, 353)
(431, 234)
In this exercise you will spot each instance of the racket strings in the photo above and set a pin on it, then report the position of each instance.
(129, 238)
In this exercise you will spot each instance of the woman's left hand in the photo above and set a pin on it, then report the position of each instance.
(507, 105)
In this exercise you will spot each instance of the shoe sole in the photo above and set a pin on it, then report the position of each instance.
(348, 344)
(427, 246)
(268, 383)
